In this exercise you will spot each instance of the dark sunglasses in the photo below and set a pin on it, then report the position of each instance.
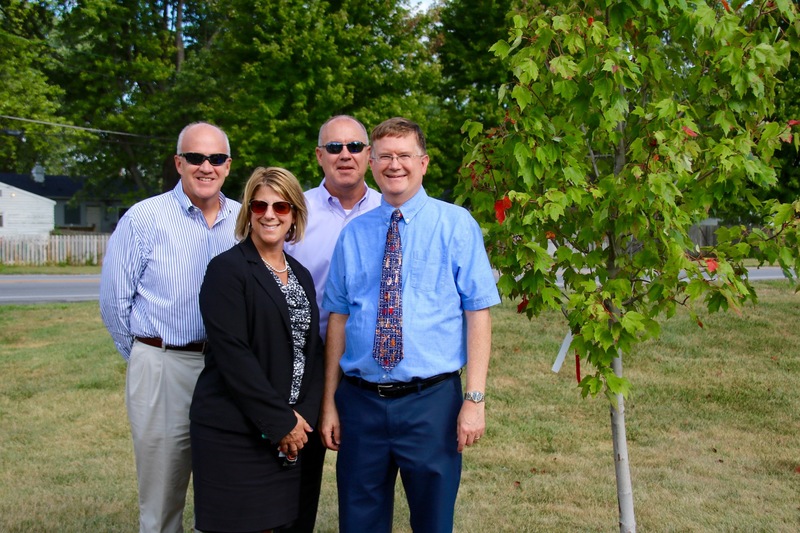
(257, 207)
(352, 147)
(194, 158)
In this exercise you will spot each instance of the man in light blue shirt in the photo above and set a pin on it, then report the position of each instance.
(411, 418)
(151, 277)
(342, 153)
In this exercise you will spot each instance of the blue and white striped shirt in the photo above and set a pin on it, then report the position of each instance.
(154, 265)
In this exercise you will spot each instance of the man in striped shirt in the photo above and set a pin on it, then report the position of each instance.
(152, 272)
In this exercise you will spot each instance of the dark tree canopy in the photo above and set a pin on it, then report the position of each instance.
(134, 73)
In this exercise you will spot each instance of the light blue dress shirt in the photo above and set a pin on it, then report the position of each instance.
(326, 218)
(445, 272)
(154, 265)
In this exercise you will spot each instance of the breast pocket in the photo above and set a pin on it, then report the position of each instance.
(425, 270)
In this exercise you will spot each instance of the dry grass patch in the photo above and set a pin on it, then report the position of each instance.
(712, 428)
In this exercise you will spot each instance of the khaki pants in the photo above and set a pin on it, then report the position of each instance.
(158, 393)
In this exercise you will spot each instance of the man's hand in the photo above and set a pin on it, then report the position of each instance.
(471, 424)
(329, 427)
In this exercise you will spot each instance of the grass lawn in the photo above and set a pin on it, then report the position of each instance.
(63, 270)
(712, 428)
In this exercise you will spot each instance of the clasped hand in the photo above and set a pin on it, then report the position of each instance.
(294, 441)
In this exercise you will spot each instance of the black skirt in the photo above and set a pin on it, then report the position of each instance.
(240, 483)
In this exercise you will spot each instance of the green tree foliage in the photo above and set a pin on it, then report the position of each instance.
(25, 90)
(278, 72)
(788, 109)
(628, 122)
(471, 74)
(269, 72)
(117, 62)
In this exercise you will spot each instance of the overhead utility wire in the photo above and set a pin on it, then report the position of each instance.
(93, 130)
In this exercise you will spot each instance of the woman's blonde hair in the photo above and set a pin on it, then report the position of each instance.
(286, 186)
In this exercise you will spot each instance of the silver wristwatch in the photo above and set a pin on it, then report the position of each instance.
(474, 396)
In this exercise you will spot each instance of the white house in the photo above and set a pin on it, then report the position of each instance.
(74, 211)
(25, 213)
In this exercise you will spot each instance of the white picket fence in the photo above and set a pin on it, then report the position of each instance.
(85, 249)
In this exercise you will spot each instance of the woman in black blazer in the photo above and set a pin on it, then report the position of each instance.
(262, 382)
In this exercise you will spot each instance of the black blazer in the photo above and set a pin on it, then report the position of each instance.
(247, 378)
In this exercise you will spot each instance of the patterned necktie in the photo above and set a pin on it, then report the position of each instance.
(388, 347)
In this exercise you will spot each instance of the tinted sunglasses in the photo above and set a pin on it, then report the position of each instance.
(257, 207)
(194, 158)
(352, 147)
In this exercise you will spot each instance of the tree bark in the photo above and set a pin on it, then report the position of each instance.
(627, 520)
(180, 55)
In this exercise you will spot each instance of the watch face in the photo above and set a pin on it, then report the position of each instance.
(474, 396)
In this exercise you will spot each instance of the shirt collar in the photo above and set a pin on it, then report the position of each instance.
(183, 200)
(187, 205)
(331, 199)
(409, 209)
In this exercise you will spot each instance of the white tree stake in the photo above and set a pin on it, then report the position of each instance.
(562, 352)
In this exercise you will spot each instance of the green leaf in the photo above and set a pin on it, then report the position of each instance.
(632, 321)
(574, 43)
(564, 66)
(617, 385)
(562, 23)
(783, 213)
(522, 95)
(590, 385)
(501, 49)
(472, 128)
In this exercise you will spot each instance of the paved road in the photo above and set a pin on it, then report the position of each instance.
(25, 289)
(19, 289)
(765, 273)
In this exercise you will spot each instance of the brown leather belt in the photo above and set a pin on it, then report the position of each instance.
(159, 343)
(398, 389)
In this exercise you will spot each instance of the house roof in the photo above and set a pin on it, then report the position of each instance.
(23, 193)
(53, 187)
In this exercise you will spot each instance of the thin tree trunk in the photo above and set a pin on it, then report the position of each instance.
(627, 520)
(179, 35)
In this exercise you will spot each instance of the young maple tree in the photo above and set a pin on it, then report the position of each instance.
(627, 123)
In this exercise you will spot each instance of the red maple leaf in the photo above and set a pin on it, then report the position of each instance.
(500, 207)
(711, 265)
(522, 305)
(550, 235)
(689, 131)
(794, 122)
(499, 212)
(590, 20)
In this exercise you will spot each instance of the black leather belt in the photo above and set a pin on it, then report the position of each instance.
(398, 389)
(159, 343)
